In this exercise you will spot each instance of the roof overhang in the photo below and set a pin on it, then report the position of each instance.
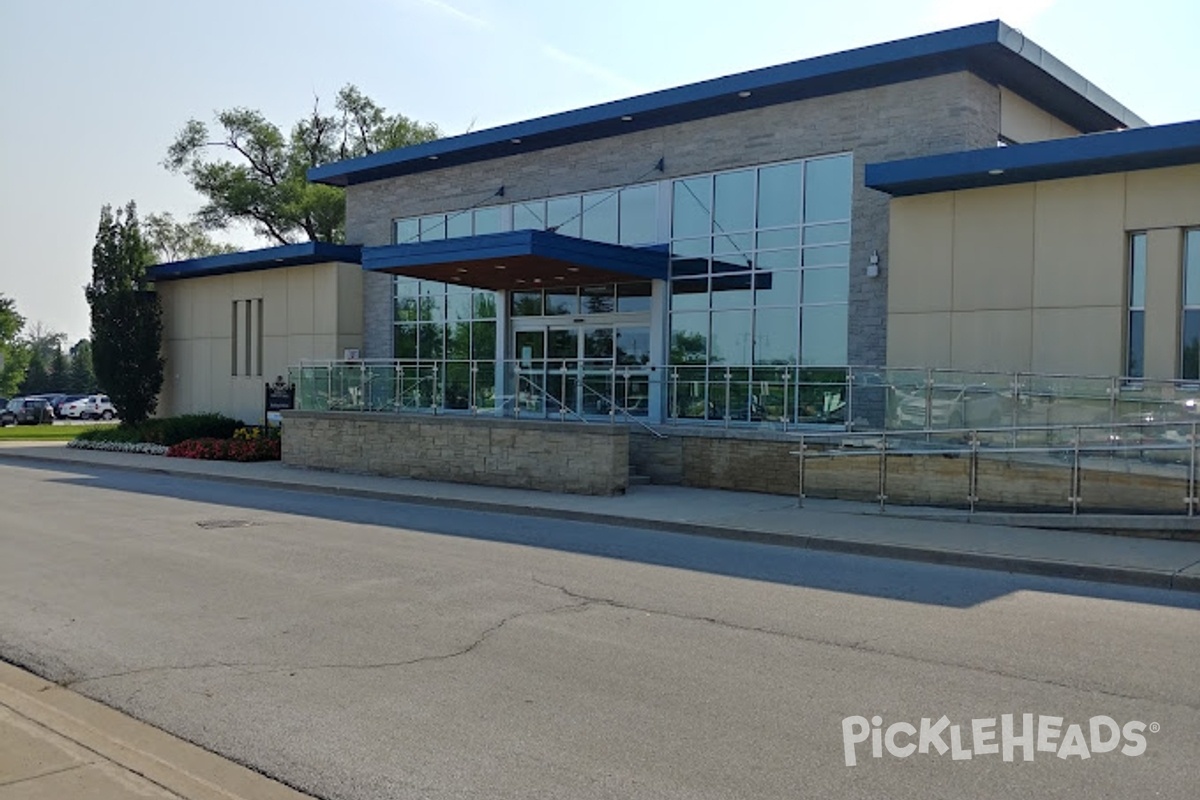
(518, 260)
(1094, 154)
(992, 50)
(290, 255)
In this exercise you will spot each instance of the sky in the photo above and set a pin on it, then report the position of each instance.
(92, 94)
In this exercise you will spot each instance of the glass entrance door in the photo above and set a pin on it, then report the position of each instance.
(582, 370)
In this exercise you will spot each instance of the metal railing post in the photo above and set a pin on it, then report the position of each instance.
(674, 404)
(787, 412)
(883, 470)
(517, 390)
(1075, 497)
(800, 495)
(973, 473)
(728, 379)
(1191, 498)
(928, 400)
(1016, 408)
(849, 398)
(474, 383)
(433, 391)
(562, 396)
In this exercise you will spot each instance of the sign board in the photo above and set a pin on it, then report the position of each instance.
(279, 396)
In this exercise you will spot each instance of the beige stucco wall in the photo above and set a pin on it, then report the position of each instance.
(312, 311)
(1022, 121)
(1033, 277)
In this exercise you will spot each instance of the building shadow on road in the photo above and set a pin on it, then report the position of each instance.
(948, 586)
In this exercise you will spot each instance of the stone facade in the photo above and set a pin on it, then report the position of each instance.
(550, 456)
(945, 113)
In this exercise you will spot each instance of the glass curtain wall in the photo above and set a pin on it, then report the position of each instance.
(1189, 350)
(760, 284)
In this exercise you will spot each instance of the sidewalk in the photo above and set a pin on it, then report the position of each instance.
(988, 541)
(57, 744)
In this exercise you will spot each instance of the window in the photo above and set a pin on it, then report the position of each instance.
(1135, 344)
(246, 338)
(1189, 351)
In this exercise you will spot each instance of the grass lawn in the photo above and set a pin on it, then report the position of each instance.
(46, 433)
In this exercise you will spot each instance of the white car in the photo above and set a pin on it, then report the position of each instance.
(96, 406)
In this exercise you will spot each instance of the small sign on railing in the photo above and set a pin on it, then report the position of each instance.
(279, 396)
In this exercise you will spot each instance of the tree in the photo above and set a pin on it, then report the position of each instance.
(126, 317)
(177, 241)
(81, 378)
(14, 355)
(266, 185)
(37, 379)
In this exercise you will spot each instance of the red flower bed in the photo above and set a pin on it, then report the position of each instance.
(227, 449)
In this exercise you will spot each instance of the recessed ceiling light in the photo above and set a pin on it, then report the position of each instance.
(995, 172)
(537, 280)
(627, 118)
(501, 266)
(515, 141)
(433, 158)
(457, 278)
(743, 94)
(559, 278)
(572, 269)
(520, 280)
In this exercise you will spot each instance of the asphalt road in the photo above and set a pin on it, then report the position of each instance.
(362, 649)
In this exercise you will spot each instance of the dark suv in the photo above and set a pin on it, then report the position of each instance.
(27, 411)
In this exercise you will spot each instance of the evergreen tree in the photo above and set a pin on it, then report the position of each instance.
(126, 317)
(58, 371)
(81, 379)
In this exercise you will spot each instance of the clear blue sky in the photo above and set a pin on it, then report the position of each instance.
(92, 93)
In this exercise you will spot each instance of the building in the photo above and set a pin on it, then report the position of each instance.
(757, 250)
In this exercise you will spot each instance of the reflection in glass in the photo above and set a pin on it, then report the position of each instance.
(406, 342)
(826, 285)
(598, 343)
(458, 341)
(600, 217)
(433, 228)
(406, 309)
(484, 302)
(689, 337)
(597, 299)
(827, 255)
(733, 243)
(407, 230)
(633, 297)
(1191, 267)
(561, 301)
(562, 343)
(529, 216)
(779, 288)
(689, 266)
(785, 237)
(430, 341)
(730, 342)
(691, 201)
(692, 247)
(458, 225)
(458, 302)
(1190, 368)
(562, 214)
(1137, 343)
(483, 340)
(827, 189)
(431, 301)
(689, 294)
(731, 262)
(731, 291)
(639, 215)
(488, 220)
(827, 234)
(776, 336)
(778, 259)
(633, 346)
(526, 304)
(733, 205)
(779, 195)
(823, 335)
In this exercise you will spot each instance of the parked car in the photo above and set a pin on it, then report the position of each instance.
(952, 407)
(63, 400)
(94, 406)
(27, 411)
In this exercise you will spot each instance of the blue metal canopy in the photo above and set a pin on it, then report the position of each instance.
(519, 259)
(289, 255)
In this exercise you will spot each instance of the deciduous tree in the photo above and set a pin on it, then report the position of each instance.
(259, 178)
(14, 355)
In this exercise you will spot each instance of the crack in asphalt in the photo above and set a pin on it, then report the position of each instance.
(260, 668)
(857, 646)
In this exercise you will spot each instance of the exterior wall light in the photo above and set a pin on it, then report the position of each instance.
(873, 265)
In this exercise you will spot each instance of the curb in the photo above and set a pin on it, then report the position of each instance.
(1128, 576)
(180, 767)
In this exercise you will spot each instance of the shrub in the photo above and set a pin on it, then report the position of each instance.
(227, 449)
(120, 447)
(167, 431)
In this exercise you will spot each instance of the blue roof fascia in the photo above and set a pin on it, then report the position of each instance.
(289, 255)
(644, 262)
(1093, 154)
(992, 49)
